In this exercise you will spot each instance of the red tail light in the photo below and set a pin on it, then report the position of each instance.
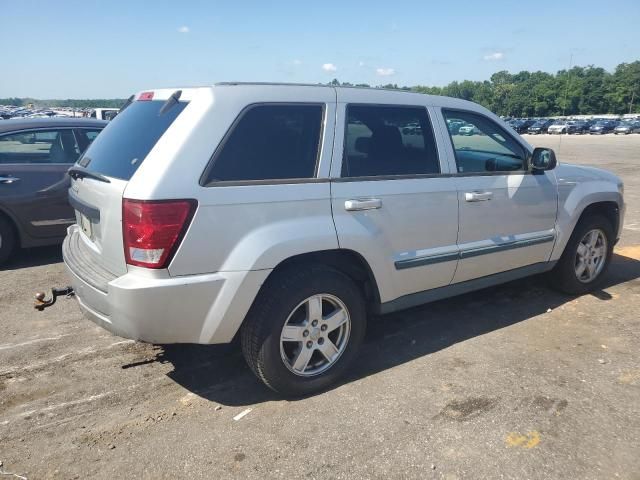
(145, 96)
(153, 230)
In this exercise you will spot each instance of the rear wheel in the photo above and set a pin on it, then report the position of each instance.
(304, 329)
(586, 257)
(7, 240)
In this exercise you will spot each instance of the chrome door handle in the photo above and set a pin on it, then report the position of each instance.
(8, 180)
(365, 204)
(478, 196)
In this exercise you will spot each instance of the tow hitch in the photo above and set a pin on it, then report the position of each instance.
(42, 302)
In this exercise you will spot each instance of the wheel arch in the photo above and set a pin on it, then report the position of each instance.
(13, 224)
(347, 261)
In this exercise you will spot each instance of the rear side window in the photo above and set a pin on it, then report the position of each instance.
(269, 142)
(123, 145)
(388, 141)
(41, 146)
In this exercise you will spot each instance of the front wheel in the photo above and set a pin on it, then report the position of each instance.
(586, 257)
(304, 329)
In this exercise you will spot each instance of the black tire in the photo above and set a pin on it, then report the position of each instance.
(279, 297)
(563, 277)
(7, 240)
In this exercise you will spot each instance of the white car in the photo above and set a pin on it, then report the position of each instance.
(288, 214)
(558, 128)
(467, 130)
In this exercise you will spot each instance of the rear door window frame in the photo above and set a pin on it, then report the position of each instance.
(430, 119)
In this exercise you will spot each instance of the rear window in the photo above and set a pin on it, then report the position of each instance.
(269, 142)
(123, 145)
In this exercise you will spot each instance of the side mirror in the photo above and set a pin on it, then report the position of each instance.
(542, 159)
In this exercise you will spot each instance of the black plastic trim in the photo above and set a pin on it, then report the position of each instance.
(427, 296)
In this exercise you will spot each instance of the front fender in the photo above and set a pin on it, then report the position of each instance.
(577, 189)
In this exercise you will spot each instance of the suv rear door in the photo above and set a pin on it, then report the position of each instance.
(393, 199)
(103, 172)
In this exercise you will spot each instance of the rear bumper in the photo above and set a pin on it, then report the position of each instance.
(190, 309)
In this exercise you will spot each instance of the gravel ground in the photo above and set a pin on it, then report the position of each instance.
(511, 382)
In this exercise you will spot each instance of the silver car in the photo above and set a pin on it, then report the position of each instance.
(287, 214)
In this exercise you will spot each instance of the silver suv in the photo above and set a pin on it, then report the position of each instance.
(286, 214)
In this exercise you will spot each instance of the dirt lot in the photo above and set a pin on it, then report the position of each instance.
(512, 382)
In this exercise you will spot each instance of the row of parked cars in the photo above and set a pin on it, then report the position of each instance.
(13, 112)
(574, 127)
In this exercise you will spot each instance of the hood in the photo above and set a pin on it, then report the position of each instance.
(569, 171)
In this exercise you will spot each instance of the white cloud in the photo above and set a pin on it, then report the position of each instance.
(361, 63)
(183, 29)
(297, 62)
(329, 67)
(385, 72)
(494, 56)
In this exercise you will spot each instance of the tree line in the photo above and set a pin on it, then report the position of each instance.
(578, 91)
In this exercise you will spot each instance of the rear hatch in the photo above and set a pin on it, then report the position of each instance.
(101, 175)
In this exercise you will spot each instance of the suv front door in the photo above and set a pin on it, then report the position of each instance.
(33, 180)
(393, 201)
(507, 214)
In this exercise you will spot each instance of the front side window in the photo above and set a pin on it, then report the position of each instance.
(269, 142)
(481, 145)
(42, 146)
(388, 141)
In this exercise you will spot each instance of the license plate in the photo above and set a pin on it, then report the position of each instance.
(85, 225)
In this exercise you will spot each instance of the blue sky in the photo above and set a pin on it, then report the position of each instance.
(97, 49)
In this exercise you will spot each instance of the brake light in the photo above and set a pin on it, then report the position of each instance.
(153, 230)
(145, 96)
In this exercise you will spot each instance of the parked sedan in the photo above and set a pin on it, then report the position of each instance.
(579, 127)
(558, 127)
(521, 126)
(467, 129)
(35, 155)
(541, 126)
(626, 128)
(602, 127)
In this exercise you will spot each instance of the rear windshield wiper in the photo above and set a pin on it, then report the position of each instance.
(171, 101)
(127, 103)
(77, 172)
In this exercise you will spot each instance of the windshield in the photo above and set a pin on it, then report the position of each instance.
(123, 145)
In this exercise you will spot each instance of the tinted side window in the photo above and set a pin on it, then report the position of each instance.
(481, 145)
(270, 142)
(42, 146)
(388, 140)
